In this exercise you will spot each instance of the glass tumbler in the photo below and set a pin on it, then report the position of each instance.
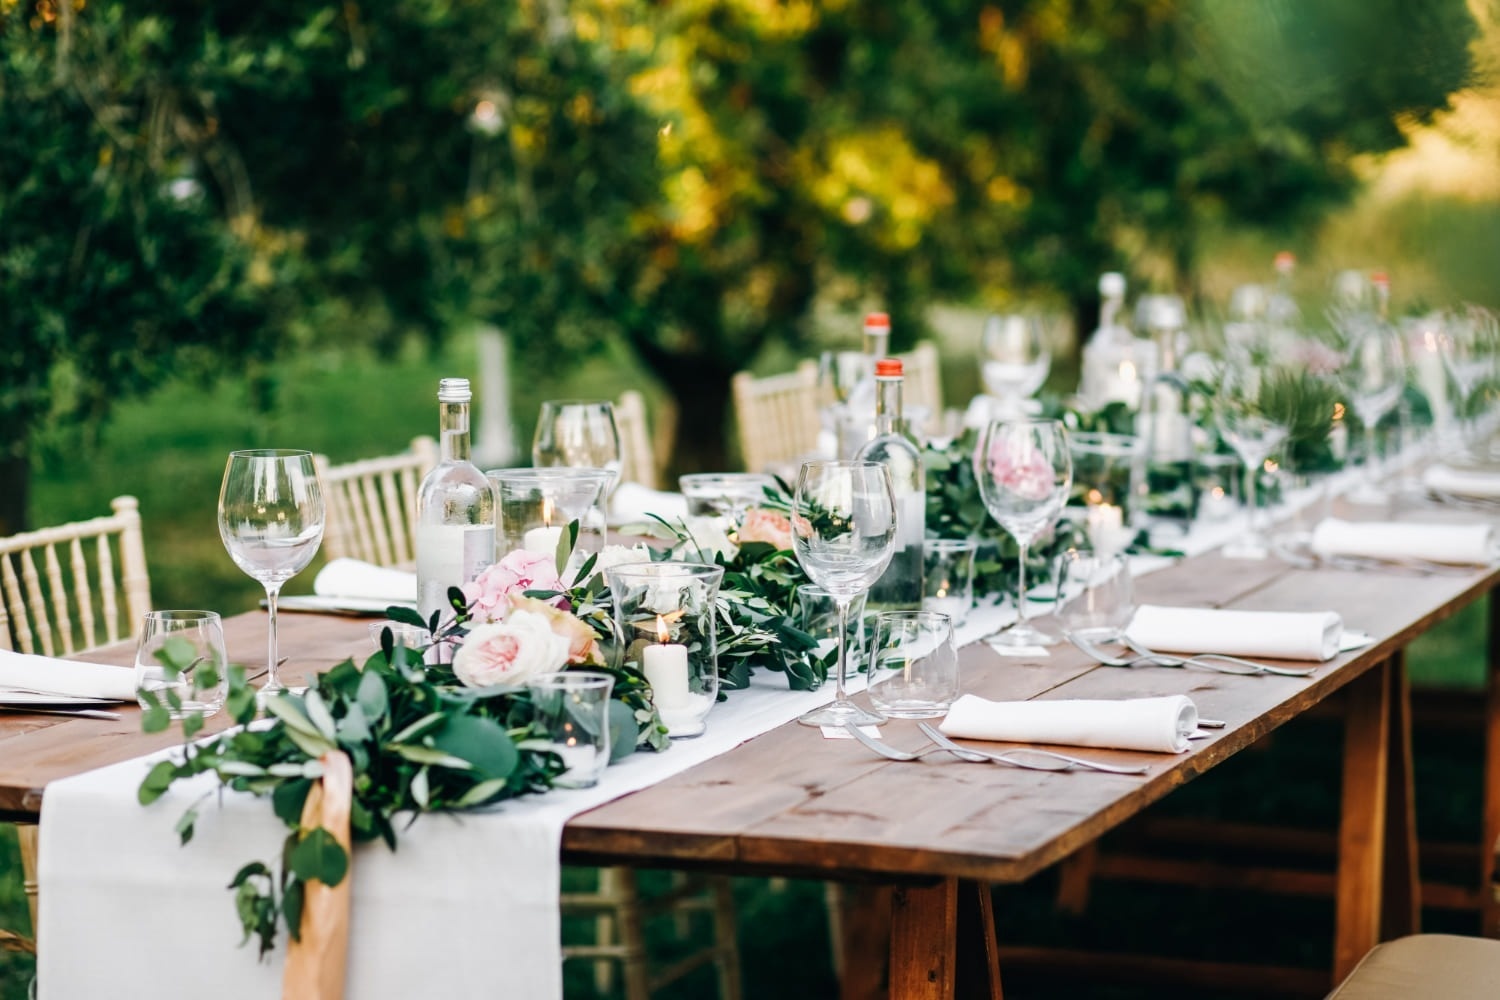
(667, 617)
(948, 576)
(1094, 595)
(572, 710)
(180, 660)
(913, 664)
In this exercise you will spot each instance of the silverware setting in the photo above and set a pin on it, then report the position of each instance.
(1221, 663)
(82, 713)
(1306, 559)
(1025, 758)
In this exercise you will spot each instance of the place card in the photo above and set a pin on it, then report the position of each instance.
(1028, 652)
(840, 733)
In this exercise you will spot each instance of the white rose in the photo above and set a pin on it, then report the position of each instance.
(705, 537)
(617, 555)
(510, 652)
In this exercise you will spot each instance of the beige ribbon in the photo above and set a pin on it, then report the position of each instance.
(316, 964)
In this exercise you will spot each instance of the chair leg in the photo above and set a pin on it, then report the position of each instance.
(632, 936)
(726, 940)
(606, 928)
(28, 837)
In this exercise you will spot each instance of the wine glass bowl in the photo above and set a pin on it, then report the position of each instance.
(1254, 408)
(1375, 376)
(1024, 471)
(271, 518)
(1014, 361)
(843, 532)
(577, 433)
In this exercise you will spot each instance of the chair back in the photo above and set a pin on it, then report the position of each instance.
(777, 416)
(372, 505)
(70, 588)
(637, 454)
(923, 379)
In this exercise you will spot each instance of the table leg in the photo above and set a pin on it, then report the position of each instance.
(1489, 845)
(1361, 820)
(1401, 909)
(861, 939)
(978, 952)
(924, 939)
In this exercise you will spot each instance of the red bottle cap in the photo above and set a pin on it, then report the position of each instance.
(1286, 260)
(1380, 278)
(877, 320)
(888, 368)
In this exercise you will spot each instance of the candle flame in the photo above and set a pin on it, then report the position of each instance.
(663, 634)
(1094, 497)
(546, 512)
(1127, 371)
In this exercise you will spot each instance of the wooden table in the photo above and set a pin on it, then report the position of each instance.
(790, 802)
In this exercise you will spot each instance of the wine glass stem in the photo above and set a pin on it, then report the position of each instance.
(1370, 474)
(273, 682)
(1021, 617)
(1252, 473)
(843, 606)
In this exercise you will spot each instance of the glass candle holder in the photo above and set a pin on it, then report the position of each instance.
(572, 712)
(535, 506)
(1218, 479)
(948, 576)
(1105, 469)
(666, 616)
(725, 495)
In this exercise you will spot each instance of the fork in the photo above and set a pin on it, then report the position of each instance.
(891, 753)
(1048, 762)
(1016, 758)
(1205, 660)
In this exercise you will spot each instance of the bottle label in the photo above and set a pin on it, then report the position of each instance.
(450, 555)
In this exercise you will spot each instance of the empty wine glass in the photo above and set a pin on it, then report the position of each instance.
(577, 433)
(1024, 472)
(1469, 344)
(843, 531)
(271, 521)
(1014, 362)
(1375, 375)
(1253, 408)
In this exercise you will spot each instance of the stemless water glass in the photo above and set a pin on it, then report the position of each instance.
(1014, 361)
(271, 521)
(913, 664)
(1094, 594)
(194, 642)
(577, 433)
(843, 531)
(1254, 408)
(1024, 472)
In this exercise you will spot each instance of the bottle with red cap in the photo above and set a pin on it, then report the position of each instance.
(900, 586)
(856, 423)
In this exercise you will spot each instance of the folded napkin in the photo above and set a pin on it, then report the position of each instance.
(66, 677)
(1463, 544)
(633, 503)
(1287, 635)
(1158, 724)
(354, 578)
(1462, 482)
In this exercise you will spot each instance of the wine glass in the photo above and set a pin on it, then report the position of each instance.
(1468, 346)
(271, 521)
(843, 531)
(1375, 375)
(1253, 408)
(577, 433)
(1014, 362)
(1024, 471)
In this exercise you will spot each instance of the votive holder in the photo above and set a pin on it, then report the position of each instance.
(1217, 477)
(572, 712)
(1106, 469)
(725, 495)
(913, 664)
(535, 506)
(666, 616)
(402, 634)
(948, 576)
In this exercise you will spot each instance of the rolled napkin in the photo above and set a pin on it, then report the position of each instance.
(1162, 725)
(1286, 635)
(1461, 544)
(26, 672)
(1462, 482)
(366, 581)
(633, 503)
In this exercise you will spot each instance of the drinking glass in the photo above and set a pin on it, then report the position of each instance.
(572, 710)
(843, 531)
(913, 664)
(948, 576)
(726, 495)
(1014, 361)
(1375, 375)
(192, 637)
(577, 433)
(1024, 472)
(1469, 345)
(271, 521)
(1253, 408)
(1094, 594)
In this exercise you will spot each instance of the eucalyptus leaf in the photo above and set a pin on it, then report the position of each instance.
(319, 857)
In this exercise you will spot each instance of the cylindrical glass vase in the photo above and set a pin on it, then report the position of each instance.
(666, 616)
(535, 507)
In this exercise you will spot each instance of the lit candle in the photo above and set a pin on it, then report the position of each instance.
(1105, 525)
(665, 665)
(1123, 385)
(543, 540)
(578, 762)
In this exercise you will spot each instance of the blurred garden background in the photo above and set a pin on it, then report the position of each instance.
(278, 224)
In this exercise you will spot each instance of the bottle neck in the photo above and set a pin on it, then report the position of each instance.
(453, 426)
(887, 405)
(877, 339)
(1108, 312)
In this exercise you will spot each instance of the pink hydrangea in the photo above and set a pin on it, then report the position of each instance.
(490, 596)
(1020, 468)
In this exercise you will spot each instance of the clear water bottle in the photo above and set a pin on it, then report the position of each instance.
(856, 424)
(900, 586)
(1165, 422)
(1115, 362)
(455, 508)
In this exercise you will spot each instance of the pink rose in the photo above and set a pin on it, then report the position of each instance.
(509, 652)
(1019, 468)
(583, 643)
(491, 595)
(761, 525)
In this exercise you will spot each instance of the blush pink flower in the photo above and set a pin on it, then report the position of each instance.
(492, 594)
(761, 525)
(509, 652)
(1019, 468)
(583, 643)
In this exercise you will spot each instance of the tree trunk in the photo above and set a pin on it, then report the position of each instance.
(703, 402)
(15, 488)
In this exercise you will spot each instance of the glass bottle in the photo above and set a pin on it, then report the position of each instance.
(856, 423)
(1114, 361)
(455, 508)
(900, 586)
(1165, 421)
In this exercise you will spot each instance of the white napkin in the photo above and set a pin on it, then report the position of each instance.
(1462, 482)
(1463, 544)
(65, 677)
(1157, 724)
(1287, 635)
(633, 503)
(355, 578)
